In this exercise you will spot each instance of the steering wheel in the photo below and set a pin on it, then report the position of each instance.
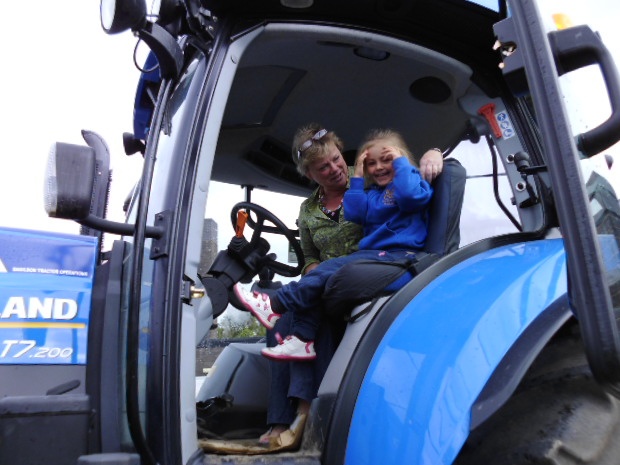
(279, 227)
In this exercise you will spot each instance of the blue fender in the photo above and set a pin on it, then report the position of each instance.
(414, 405)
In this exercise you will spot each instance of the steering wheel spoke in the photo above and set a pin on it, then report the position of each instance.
(259, 228)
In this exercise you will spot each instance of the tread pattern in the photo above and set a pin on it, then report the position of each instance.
(558, 415)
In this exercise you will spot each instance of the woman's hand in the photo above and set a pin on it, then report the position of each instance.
(431, 164)
(310, 267)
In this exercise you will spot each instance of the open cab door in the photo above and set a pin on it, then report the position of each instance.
(534, 59)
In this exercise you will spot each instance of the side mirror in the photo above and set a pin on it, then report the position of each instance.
(70, 187)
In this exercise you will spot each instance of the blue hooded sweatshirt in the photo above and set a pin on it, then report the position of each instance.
(393, 217)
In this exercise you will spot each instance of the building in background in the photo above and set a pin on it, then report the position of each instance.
(209, 246)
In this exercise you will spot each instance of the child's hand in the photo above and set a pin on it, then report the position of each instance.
(359, 164)
(393, 151)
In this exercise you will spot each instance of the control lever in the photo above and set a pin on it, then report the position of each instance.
(242, 219)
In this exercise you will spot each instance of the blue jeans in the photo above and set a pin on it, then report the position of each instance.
(304, 297)
(299, 380)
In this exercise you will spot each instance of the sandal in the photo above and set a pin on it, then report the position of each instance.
(291, 438)
(273, 432)
(288, 440)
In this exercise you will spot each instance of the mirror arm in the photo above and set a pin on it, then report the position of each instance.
(122, 229)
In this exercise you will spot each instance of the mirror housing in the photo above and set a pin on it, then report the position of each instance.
(70, 187)
(69, 181)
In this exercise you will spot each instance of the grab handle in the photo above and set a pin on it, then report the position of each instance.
(575, 48)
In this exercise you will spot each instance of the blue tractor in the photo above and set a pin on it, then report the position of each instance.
(503, 349)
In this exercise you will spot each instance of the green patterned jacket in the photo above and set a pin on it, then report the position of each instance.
(322, 238)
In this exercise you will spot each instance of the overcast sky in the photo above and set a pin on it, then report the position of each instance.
(64, 74)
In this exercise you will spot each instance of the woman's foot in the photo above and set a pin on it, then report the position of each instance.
(291, 438)
(272, 433)
(303, 406)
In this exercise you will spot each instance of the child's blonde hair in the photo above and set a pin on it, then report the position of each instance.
(391, 138)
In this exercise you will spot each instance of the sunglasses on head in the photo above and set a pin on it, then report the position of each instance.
(306, 145)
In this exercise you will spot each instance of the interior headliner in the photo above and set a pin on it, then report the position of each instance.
(348, 80)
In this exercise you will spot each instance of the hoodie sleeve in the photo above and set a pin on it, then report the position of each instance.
(411, 192)
(355, 201)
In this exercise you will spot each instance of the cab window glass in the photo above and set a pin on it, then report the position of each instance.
(587, 106)
(233, 323)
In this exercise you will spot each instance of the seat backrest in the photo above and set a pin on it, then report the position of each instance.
(363, 280)
(445, 209)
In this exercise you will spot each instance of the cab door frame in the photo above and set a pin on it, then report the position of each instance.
(589, 294)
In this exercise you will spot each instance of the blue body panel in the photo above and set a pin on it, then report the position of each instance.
(143, 106)
(414, 404)
(45, 296)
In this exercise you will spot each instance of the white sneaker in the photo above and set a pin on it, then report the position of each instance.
(291, 348)
(258, 304)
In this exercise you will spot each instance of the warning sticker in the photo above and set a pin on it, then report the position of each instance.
(505, 125)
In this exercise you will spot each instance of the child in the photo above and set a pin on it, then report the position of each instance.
(392, 212)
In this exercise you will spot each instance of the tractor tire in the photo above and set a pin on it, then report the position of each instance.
(557, 415)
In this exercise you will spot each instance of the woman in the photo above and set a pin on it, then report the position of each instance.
(324, 234)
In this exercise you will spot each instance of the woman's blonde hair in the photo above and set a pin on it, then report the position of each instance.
(389, 137)
(309, 145)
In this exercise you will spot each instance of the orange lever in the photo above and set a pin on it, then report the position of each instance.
(242, 218)
(488, 111)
